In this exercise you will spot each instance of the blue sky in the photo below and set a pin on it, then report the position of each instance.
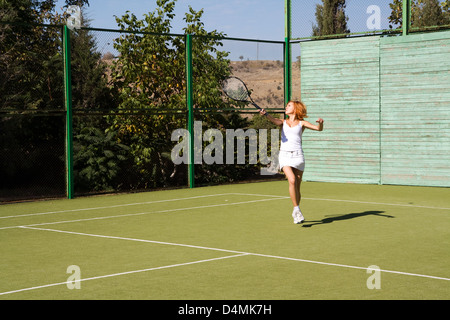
(260, 19)
(237, 18)
(255, 19)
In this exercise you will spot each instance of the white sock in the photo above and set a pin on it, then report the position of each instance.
(297, 207)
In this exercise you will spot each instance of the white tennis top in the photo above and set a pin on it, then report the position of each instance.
(291, 138)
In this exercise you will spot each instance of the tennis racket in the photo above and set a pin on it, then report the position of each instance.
(236, 89)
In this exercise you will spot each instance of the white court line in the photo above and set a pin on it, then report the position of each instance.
(120, 274)
(239, 252)
(132, 239)
(351, 201)
(114, 206)
(141, 213)
(273, 197)
(214, 195)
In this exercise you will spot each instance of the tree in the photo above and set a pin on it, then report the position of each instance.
(29, 53)
(31, 60)
(149, 75)
(98, 155)
(424, 13)
(31, 73)
(429, 13)
(97, 158)
(90, 89)
(30, 81)
(330, 18)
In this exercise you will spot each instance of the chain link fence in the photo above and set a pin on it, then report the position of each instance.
(331, 19)
(128, 98)
(129, 95)
(32, 115)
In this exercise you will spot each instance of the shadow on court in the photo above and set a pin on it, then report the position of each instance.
(348, 216)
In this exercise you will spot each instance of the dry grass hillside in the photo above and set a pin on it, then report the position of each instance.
(265, 79)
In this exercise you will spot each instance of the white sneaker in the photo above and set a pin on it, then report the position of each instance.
(295, 216)
(298, 217)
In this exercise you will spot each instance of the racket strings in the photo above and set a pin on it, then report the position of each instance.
(235, 89)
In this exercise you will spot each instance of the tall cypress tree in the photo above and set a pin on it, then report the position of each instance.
(424, 13)
(330, 18)
(429, 13)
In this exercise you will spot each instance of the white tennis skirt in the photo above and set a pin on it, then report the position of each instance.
(294, 159)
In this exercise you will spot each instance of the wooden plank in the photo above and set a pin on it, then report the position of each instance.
(340, 83)
(415, 107)
(386, 105)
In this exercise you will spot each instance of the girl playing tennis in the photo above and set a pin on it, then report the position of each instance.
(291, 158)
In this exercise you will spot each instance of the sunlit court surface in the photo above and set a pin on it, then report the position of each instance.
(230, 242)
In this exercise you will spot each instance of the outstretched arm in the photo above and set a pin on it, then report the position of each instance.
(317, 127)
(275, 121)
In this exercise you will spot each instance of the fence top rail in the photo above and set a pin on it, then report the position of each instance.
(383, 32)
(218, 37)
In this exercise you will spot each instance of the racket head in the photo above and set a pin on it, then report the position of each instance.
(236, 89)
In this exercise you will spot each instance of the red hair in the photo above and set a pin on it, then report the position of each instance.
(299, 110)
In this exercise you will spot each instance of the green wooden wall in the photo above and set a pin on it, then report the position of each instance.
(415, 109)
(340, 83)
(386, 105)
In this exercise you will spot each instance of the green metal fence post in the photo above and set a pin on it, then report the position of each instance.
(190, 108)
(287, 51)
(68, 103)
(406, 16)
(287, 71)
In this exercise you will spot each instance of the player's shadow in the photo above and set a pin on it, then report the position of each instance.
(348, 216)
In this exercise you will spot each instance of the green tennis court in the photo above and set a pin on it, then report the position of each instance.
(230, 242)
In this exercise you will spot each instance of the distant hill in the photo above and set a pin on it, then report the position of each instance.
(265, 79)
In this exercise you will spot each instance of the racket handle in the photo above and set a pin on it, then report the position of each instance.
(259, 108)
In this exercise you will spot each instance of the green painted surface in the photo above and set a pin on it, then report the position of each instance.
(415, 109)
(386, 105)
(340, 83)
(161, 245)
